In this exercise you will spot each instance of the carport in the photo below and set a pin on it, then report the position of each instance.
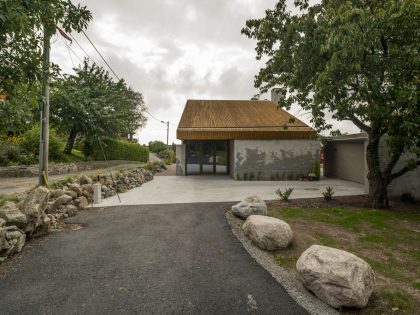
(344, 157)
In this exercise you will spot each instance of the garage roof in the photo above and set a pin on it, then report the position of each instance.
(239, 119)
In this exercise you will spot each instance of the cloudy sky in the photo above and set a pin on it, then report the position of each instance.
(174, 50)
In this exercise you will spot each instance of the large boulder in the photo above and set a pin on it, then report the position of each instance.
(12, 241)
(268, 233)
(34, 208)
(250, 206)
(12, 215)
(336, 277)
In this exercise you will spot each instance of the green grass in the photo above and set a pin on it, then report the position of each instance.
(388, 240)
(4, 198)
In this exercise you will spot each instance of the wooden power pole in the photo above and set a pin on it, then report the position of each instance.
(44, 133)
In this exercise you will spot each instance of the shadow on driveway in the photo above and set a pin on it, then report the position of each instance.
(151, 259)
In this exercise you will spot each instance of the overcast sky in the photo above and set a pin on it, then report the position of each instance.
(174, 50)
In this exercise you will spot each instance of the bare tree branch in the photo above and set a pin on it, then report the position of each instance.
(402, 171)
(359, 124)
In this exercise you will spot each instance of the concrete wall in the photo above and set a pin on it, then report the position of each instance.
(273, 159)
(180, 159)
(346, 160)
(409, 182)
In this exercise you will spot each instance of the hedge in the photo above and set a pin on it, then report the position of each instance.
(120, 150)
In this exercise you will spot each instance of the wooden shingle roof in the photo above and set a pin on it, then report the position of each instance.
(239, 119)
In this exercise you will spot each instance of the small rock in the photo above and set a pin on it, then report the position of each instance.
(81, 202)
(12, 241)
(71, 193)
(70, 210)
(84, 179)
(56, 193)
(336, 277)
(12, 215)
(63, 200)
(268, 233)
(250, 206)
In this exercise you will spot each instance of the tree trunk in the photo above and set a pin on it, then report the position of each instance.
(70, 141)
(377, 183)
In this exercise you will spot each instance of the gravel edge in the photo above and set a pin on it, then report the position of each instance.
(293, 287)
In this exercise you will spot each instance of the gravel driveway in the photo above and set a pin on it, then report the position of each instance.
(150, 259)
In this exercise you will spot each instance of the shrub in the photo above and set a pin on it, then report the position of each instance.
(9, 152)
(290, 176)
(117, 150)
(316, 169)
(407, 198)
(168, 155)
(251, 176)
(328, 193)
(156, 146)
(284, 195)
(154, 166)
(30, 143)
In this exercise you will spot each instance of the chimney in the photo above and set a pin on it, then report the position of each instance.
(275, 97)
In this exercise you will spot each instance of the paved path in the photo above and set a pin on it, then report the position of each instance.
(153, 259)
(189, 189)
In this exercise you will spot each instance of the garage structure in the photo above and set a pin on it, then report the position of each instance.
(345, 158)
(248, 139)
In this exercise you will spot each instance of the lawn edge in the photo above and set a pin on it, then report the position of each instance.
(292, 286)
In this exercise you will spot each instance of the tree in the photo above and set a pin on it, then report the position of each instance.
(90, 104)
(22, 24)
(359, 60)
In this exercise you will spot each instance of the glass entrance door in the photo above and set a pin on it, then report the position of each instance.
(207, 157)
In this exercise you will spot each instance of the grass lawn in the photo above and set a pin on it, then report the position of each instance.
(389, 240)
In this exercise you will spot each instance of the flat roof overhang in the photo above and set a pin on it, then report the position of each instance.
(244, 133)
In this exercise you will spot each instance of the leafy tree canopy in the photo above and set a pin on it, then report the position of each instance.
(358, 59)
(22, 23)
(90, 104)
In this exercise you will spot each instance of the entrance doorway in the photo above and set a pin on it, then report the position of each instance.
(207, 157)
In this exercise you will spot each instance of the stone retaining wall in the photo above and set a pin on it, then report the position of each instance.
(59, 168)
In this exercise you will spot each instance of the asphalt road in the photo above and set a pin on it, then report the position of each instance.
(152, 259)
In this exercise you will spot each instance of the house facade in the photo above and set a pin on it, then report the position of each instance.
(246, 139)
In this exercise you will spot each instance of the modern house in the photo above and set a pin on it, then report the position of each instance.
(248, 139)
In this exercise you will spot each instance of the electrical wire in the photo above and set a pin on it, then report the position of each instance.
(112, 70)
(100, 55)
(84, 51)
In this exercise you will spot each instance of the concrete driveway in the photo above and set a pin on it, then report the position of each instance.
(189, 189)
(151, 259)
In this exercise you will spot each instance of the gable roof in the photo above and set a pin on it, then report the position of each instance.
(239, 119)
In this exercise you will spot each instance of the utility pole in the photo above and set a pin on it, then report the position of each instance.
(44, 134)
(167, 131)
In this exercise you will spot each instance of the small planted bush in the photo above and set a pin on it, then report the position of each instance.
(316, 169)
(328, 193)
(284, 196)
(251, 176)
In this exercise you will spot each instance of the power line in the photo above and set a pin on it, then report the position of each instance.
(100, 55)
(87, 55)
